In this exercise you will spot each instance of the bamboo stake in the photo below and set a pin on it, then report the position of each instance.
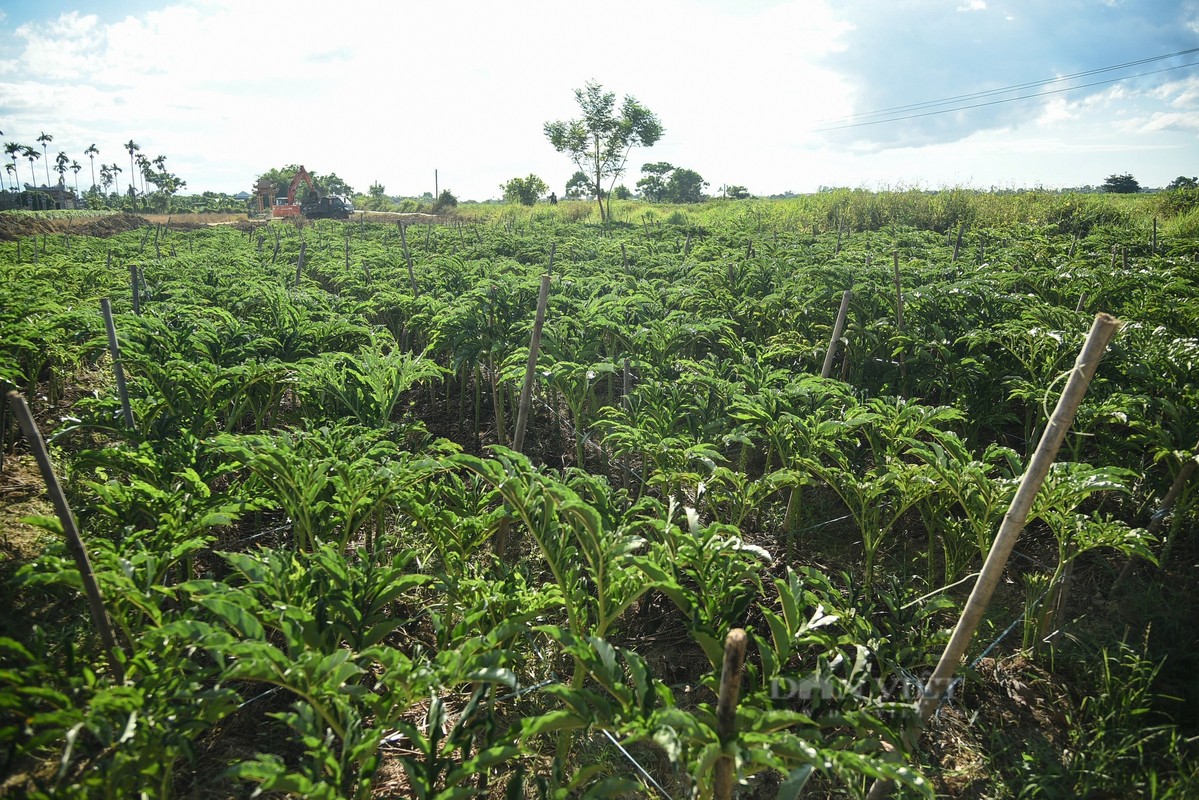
(300, 263)
(838, 328)
(526, 391)
(408, 258)
(1159, 517)
(3, 430)
(74, 541)
(903, 373)
(724, 776)
(137, 296)
(1043, 457)
(114, 349)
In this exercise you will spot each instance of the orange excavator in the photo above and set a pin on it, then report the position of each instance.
(314, 207)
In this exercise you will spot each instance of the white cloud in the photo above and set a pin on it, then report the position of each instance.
(389, 92)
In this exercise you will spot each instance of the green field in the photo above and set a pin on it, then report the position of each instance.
(331, 573)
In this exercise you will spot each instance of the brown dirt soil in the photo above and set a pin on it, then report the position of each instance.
(1014, 704)
(14, 226)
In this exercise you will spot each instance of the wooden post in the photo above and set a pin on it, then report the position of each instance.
(687, 245)
(137, 295)
(838, 327)
(347, 251)
(1043, 457)
(724, 775)
(1154, 247)
(957, 245)
(899, 314)
(300, 263)
(526, 391)
(408, 258)
(74, 541)
(624, 257)
(114, 349)
(1163, 510)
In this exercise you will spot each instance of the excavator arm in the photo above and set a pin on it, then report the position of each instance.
(302, 175)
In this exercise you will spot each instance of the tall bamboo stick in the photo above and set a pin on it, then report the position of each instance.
(114, 349)
(1043, 457)
(725, 772)
(74, 541)
(838, 328)
(526, 390)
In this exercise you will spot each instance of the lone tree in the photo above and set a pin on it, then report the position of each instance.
(1183, 182)
(579, 186)
(1121, 184)
(666, 183)
(599, 143)
(524, 190)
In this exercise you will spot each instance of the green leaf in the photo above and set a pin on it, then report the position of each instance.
(46, 523)
(560, 720)
(791, 788)
(235, 616)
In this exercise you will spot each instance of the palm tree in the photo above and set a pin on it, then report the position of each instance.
(45, 139)
(114, 168)
(32, 155)
(60, 166)
(91, 152)
(76, 167)
(11, 169)
(12, 148)
(105, 176)
(143, 166)
(131, 146)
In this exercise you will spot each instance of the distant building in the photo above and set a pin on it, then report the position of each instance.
(243, 196)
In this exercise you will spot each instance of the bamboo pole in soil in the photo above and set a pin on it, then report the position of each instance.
(903, 373)
(74, 541)
(114, 349)
(1102, 330)
(838, 328)
(300, 263)
(408, 258)
(526, 390)
(725, 771)
(137, 296)
(1163, 510)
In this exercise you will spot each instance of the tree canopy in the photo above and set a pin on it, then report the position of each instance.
(666, 183)
(579, 186)
(524, 190)
(600, 141)
(1121, 184)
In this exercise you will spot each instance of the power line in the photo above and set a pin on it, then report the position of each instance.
(1014, 87)
(1006, 100)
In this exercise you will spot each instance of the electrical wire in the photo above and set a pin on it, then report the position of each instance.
(1013, 87)
(1006, 100)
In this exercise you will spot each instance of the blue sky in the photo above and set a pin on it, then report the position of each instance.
(389, 91)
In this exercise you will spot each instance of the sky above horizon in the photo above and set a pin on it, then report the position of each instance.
(751, 92)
